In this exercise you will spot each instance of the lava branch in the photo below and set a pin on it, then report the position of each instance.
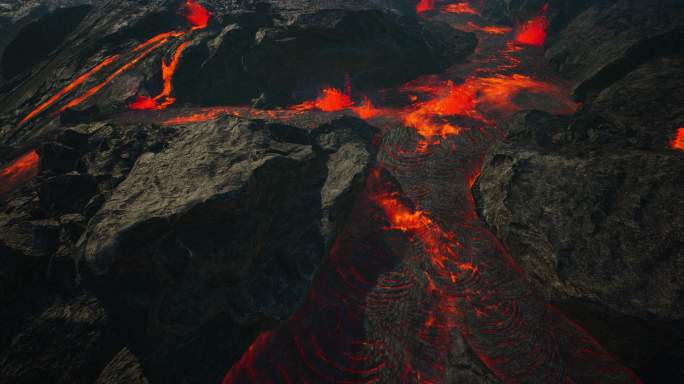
(197, 17)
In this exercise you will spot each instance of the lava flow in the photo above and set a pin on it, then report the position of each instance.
(197, 17)
(678, 141)
(164, 99)
(417, 271)
(425, 6)
(533, 32)
(489, 29)
(19, 171)
(460, 8)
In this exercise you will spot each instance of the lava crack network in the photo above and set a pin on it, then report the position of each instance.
(418, 270)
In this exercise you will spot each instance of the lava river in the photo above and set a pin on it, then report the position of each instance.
(417, 272)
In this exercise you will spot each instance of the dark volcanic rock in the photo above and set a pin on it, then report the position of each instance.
(604, 225)
(607, 40)
(588, 204)
(292, 52)
(178, 250)
(63, 342)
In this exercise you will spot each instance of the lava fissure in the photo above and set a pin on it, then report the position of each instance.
(418, 269)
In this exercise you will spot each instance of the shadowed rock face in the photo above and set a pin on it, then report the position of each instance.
(181, 245)
(603, 237)
(175, 252)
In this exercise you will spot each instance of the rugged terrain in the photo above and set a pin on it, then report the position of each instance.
(341, 191)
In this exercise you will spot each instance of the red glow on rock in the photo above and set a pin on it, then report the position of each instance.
(193, 118)
(196, 15)
(533, 32)
(678, 141)
(461, 8)
(20, 170)
(425, 6)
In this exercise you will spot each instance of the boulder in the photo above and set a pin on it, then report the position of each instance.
(179, 251)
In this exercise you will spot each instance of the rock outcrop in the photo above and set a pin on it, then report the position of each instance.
(588, 204)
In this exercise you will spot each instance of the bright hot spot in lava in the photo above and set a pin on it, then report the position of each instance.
(678, 141)
(425, 6)
(19, 171)
(533, 32)
(196, 14)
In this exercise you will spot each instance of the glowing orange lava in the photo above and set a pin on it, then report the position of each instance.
(366, 110)
(21, 170)
(97, 88)
(489, 29)
(425, 6)
(678, 141)
(164, 99)
(196, 15)
(533, 32)
(461, 8)
(198, 117)
(330, 100)
(71, 86)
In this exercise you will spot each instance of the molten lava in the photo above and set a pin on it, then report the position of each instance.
(196, 15)
(330, 100)
(678, 141)
(97, 88)
(425, 6)
(460, 8)
(490, 29)
(19, 171)
(70, 87)
(366, 110)
(198, 18)
(533, 32)
(164, 99)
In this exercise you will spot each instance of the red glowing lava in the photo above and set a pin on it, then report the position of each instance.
(196, 15)
(97, 88)
(330, 100)
(678, 141)
(71, 86)
(366, 110)
(489, 29)
(164, 99)
(460, 8)
(533, 32)
(21, 170)
(425, 6)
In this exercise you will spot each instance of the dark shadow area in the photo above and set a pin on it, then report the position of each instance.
(39, 39)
